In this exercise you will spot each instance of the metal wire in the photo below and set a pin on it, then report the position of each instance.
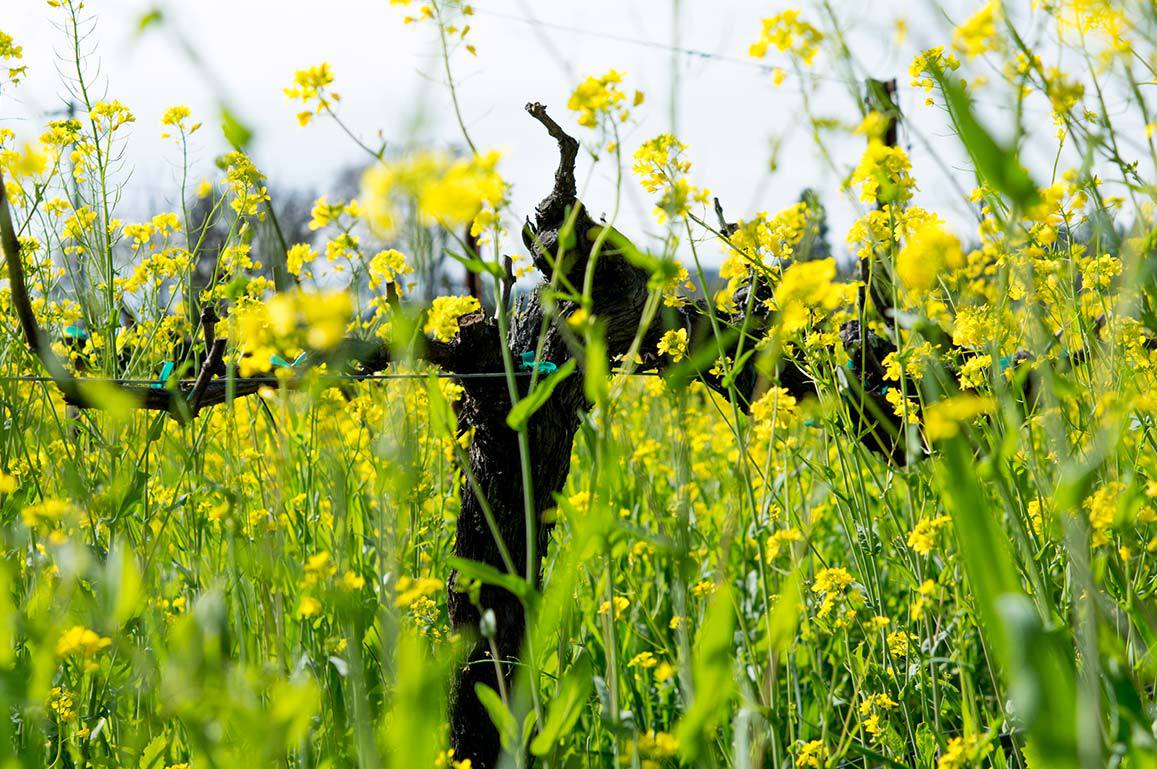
(43, 378)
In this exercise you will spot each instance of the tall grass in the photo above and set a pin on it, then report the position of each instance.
(730, 583)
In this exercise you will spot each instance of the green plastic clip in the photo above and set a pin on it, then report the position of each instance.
(544, 367)
(280, 362)
(76, 333)
(166, 372)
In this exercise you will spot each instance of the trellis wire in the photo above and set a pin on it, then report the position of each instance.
(43, 378)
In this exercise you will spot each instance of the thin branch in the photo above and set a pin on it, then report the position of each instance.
(568, 147)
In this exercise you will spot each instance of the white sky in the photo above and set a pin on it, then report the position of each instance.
(728, 110)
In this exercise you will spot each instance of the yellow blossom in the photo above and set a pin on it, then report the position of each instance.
(674, 344)
(442, 318)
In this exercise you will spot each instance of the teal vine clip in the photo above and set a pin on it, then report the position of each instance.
(543, 367)
(279, 362)
(166, 372)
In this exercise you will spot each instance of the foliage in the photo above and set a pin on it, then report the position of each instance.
(729, 583)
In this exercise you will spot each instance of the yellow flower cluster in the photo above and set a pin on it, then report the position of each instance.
(599, 97)
(922, 538)
(884, 175)
(287, 323)
(806, 288)
(942, 419)
(929, 66)
(175, 117)
(167, 264)
(812, 754)
(1101, 507)
(930, 251)
(762, 243)
(442, 318)
(11, 53)
(443, 190)
(247, 185)
(788, 33)
(110, 115)
(414, 594)
(775, 409)
(82, 640)
(386, 266)
(660, 165)
(872, 708)
(311, 88)
(962, 752)
(978, 35)
(674, 344)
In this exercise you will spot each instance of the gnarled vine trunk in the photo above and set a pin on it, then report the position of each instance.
(619, 292)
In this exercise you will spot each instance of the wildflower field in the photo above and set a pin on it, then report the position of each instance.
(717, 494)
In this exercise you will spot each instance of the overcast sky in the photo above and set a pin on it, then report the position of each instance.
(728, 111)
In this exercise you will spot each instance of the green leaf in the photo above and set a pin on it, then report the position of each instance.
(236, 132)
(153, 754)
(567, 705)
(785, 614)
(488, 575)
(998, 166)
(596, 369)
(148, 19)
(712, 674)
(500, 714)
(536, 398)
(476, 265)
(1036, 664)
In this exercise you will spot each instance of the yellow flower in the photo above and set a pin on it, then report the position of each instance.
(599, 96)
(80, 639)
(442, 318)
(922, 537)
(978, 34)
(299, 255)
(962, 752)
(930, 250)
(410, 590)
(643, 660)
(812, 754)
(8, 484)
(929, 65)
(674, 343)
(176, 116)
(832, 580)
(974, 373)
(804, 287)
(776, 408)
(386, 266)
(617, 605)
(46, 513)
(831, 583)
(445, 191)
(942, 420)
(776, 542)
(311, 87)
(898, 642)
(32, 162)
(308, 606)
(657, 745)
(10, 52)
(1101, 506)
(110, 115)
(787, 33)
(884, 175)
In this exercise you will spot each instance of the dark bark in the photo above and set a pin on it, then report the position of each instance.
(619, 293)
